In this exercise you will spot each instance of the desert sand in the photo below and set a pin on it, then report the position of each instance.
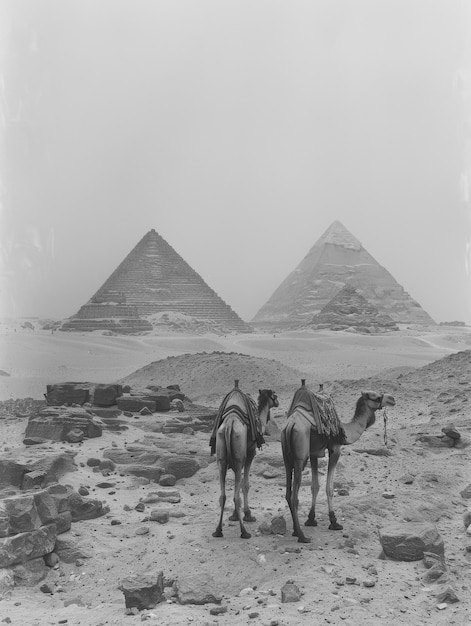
(249, 574)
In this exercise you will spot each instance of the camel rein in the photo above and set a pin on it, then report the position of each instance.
(385, 420)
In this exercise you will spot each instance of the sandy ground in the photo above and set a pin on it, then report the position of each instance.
(249, 574)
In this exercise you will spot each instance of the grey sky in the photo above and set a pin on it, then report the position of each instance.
(239, 130)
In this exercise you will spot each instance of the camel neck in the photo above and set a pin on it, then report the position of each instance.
(355, 428)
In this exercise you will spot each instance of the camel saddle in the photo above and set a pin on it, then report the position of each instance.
(319, 410)
(246, 410)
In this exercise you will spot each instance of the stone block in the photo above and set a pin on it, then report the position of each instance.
(30, 573)
(135, 404)
(67, 393)
(409, 541)
(142, 456)
(151, 472)
(106, 395)
(19, 514)
(181, 466)
(143, 591)
(28, 545)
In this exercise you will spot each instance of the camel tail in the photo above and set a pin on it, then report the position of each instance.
(228, 440)
(286, 444)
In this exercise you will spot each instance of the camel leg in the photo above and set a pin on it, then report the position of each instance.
(237, 508)
(222, 499)
(294, 501)
(311, 519)
(334, 455)
(248, 517)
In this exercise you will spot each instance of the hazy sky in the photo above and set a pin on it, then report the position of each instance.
(238, 130)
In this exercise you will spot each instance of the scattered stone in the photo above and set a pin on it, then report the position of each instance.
(388, 495)
(433, 573)
(140, 507)
(143, 591)
(157, 515)
(83, 491)
(46, 589)
(197, 589)
(447, 594)
(218, 610)
(51, 559)
(466, 492)
(408, 542)
(278, 525)
(167, 480)
(290, 592)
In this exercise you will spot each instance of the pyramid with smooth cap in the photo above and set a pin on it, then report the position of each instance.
(154, 281)
(337, 259)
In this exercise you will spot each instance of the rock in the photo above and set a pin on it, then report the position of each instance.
(433, 574)
(106, 395)
(151, 472)
(69, 549)
(51, 559)
(278, 525)
(467, 518)
(167, 480)
(138, 455)
(290, 592)
(197, 589)
(181, 466)
(27, 545)
(29, 574)
(446, 594)
(466, 492)
(265, 529)
(54, 423)
(159, 515)
(451, 432)
(67, 393)
(83, 491)
(408, 542)
(143, 591)
(85, 509)
(135, 404)
(74, 435)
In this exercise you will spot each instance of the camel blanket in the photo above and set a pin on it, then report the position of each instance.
(244, 406)
(321, 406)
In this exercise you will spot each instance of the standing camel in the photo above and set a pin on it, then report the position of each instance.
(312, 428)
(238, 430)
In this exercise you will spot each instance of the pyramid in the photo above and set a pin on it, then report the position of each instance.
(350, 310)
(154, 279)
(335, 260)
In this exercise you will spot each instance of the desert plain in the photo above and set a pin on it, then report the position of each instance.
(342, 575)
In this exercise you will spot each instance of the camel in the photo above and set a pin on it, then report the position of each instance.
(308, 434)
(237, 436)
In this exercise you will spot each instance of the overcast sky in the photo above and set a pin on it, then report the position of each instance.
(238, 130)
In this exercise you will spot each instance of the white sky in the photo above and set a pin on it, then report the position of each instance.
(239, 130)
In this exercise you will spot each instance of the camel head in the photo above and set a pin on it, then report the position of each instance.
(375, 401)
(267, 399)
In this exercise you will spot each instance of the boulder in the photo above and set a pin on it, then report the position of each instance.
(106, 395)
(82, 508)
(408, 542)
(151, 472)
(30, 573)
(54, 423)
(68, 394)
(143, 591)
(28, 545)
(181, 466)
(197, 588)
(69, 549)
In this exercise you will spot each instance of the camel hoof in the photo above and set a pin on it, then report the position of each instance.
(245, 535)
(310, 522)
(218, 533)
(335, 526)
(304, 539)
(249, 518)
(234, 517)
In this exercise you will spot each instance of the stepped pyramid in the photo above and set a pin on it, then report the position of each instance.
(335, 260)
(153, 279)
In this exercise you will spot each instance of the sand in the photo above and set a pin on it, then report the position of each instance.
(249, 574)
